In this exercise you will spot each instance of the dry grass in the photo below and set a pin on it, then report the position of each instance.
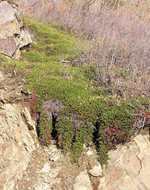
(116, 38)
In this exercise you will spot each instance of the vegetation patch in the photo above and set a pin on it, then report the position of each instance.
(92, 114)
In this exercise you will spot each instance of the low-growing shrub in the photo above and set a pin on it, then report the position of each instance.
(114, 127)
(90, 110)
(45, 129)
(65, 133)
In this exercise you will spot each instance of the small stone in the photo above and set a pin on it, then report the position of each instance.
(1, 77)
(96, 170)
(54, 157)
(4, 88)
(46, 168)
(89, 152)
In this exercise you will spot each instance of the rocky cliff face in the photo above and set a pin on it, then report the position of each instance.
(17, 130)
(13, 35)
(16, 143)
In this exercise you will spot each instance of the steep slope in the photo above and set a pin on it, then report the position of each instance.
(76, 109)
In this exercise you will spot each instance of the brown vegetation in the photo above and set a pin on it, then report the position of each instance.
(115, 36)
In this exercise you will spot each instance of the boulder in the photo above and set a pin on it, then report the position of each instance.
(25, 38)
(8, 46)
(12, 34)
(7, 13)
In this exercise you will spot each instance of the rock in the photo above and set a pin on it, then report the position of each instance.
(16, 55)
(144, 174)
(10, 185)
(16, 146)
(102, 184)
(12, 36)
(7, 13)
(29, 121)
(44, 186)
(25, 38)
(54, 153)
(1, 77)
(47, 176)
(89, 153)
(96, 170)
(10, 28)
(8, 46)
(56, 180)
(82, 182)
(46, 168)
(128, 167)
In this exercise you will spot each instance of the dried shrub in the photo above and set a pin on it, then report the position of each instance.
(142, 120)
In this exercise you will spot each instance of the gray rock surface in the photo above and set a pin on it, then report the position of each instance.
(7, 13)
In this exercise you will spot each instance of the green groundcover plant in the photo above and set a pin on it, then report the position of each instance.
(105, 119)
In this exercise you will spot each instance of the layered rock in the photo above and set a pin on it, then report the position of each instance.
(16, 144)
(128, 166)
(13, 36)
